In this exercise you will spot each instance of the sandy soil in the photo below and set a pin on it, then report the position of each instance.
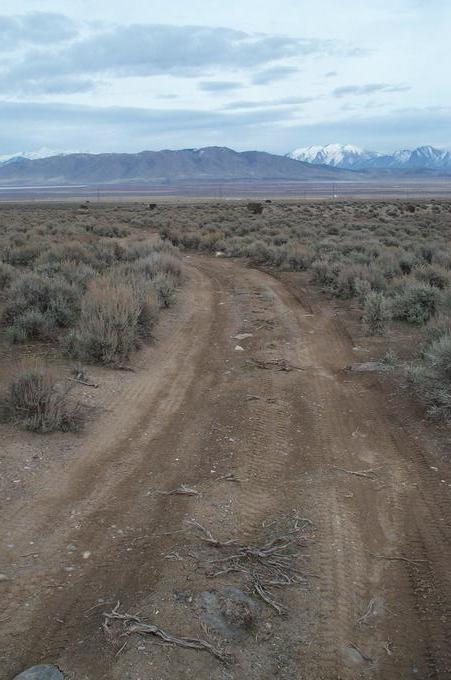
(86, 527)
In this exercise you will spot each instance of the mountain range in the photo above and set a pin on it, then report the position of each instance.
(162, 167)
(349, 157)
(331, 163)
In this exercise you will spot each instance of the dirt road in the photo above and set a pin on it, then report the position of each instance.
(276, 409)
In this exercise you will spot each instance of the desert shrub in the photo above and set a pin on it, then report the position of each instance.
(255, 208)
(7, 274)
(439, 325)
(438, 356)
(76, 274)
(407, 261)
(52, 297)
(108, 230)
(376, 313)
(164, 287)
(31, 325)
(36, 402)
(428, 252)
(353, 279)
(325, 272)
(74, 252)
(162, 263)
(136, 250)
(415, 303)
(21, 256)
(296, 258)
(431, 377)
(434, 275)
(115, 313)
(259, 252)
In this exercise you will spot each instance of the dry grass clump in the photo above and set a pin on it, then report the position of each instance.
(115, 315)
(376, 313)
(431, 376)
(35, 401)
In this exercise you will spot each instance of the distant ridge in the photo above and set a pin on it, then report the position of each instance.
(349, 157)
(160, 167)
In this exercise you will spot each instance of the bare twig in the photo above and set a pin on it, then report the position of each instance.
(369, 612)
(362, 473)
(396, 558)
(122, 367)
(268, 565)
(182, 490)
(133, 624)
(231, 477)
(389, 647)
(83, 382)
(266, 597)
(364, 656)
(208, 536)
(278, 364)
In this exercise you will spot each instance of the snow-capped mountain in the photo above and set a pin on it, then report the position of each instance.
(423, 157)
(337, 155)
(29, 155)
(351, 157)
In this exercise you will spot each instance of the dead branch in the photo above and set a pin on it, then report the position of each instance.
(208, 536)
(277, 364)
(266, 597)
(230, 477)
(123, 367)
(182, 490)
(133, 624)
(364, 656)
(269, 565)
(361, 473)
(369, 612)
(84, 382)
(396, 558)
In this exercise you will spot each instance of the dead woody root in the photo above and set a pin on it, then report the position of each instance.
(266, 566)
(117, 625)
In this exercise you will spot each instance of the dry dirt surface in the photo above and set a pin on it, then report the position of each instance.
(275, 440)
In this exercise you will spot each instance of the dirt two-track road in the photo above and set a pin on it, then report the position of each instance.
(95, 529)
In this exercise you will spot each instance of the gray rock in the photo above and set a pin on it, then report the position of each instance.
(368, 366)
(44, 672)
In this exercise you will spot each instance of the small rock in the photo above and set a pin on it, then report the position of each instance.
(368, 366)
(4, 577)
(242, 336)
(238, 348)
(44, 672)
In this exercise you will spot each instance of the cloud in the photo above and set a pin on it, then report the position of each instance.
(331, 74)
(400, 128)
(115, 128)
(369, 88)
(48, 86)
(219, 85)
(39, 28)
(284, 101)
(158, 49)
(274, 73)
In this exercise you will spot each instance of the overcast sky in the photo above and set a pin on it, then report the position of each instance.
(272, 75)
